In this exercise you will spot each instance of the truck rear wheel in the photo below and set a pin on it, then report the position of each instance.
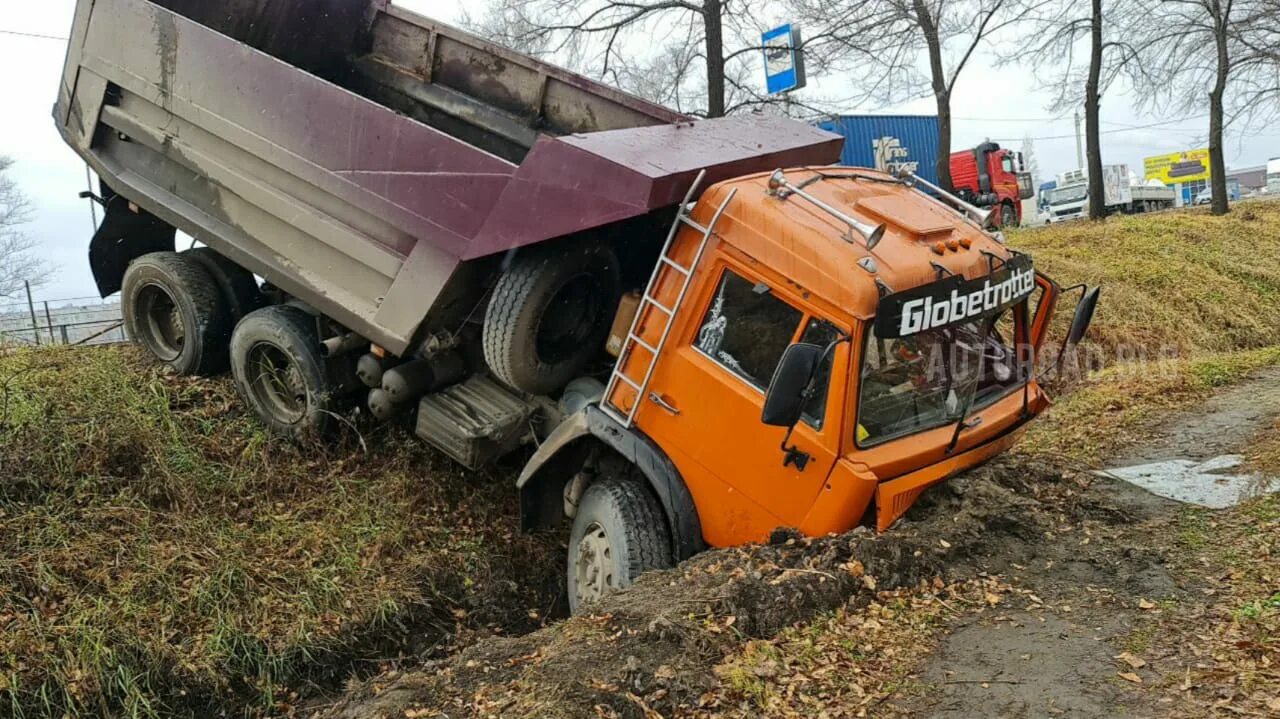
(619, 532)
(275, 358)
(172, 307)
(550, 314)
(238, 286)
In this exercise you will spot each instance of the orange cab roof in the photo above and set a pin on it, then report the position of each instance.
(808, 245)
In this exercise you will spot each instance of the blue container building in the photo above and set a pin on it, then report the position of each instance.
(888, 142)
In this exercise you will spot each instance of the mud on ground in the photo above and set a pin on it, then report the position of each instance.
(655, 646)
(1094, 566)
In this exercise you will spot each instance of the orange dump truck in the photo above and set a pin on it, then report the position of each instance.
(815, 348)
(402, 217)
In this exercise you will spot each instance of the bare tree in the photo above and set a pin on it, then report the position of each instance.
(1222, 49)
(1030, 161)
(18, 262)
(670, 51)
(883, 40)
(1058, 32)
(699, 57)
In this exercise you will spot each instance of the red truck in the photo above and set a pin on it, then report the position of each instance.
(989, 176)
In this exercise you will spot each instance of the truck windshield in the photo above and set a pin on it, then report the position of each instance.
(1070, 194)
(925, 381)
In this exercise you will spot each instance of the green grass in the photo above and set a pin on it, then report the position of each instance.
(160, 555)
(1177, 282)
(1119, 405)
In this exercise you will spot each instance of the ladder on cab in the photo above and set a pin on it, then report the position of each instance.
(626, 417)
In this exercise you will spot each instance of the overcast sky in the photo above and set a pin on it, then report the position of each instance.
(988, 102)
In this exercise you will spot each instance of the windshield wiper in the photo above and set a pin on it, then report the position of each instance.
(962, 423)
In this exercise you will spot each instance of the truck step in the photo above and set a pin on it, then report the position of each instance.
(474, 422)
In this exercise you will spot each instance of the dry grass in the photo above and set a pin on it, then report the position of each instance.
(1176, 281)
(846, 663)
(160, 556)
(1121, 405)
(1221, 656)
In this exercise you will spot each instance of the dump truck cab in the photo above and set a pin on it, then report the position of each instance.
(815, 349)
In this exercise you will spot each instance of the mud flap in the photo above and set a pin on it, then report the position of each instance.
(123, 236)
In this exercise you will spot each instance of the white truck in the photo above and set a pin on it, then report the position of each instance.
(1124, 192)
(1273, 176)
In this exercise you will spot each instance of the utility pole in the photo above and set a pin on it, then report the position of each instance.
(31, 306)
(1079, 143)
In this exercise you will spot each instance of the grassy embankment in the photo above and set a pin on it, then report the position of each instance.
(1190, 303)
(161, 556)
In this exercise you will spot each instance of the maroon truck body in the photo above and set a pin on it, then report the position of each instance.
(370, 161)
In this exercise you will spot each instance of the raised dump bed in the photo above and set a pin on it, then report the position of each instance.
(367, 160)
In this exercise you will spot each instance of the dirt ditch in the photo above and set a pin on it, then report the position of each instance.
(1090, 556)
(654, 646)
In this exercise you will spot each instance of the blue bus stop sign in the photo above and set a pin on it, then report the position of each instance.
(783, 61)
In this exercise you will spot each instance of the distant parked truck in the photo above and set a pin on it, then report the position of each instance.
(464, 238)
(1273, 176)
(1124, 193)
(992, 177)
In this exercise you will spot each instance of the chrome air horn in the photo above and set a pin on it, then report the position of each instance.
(871, 234)
(977, 214)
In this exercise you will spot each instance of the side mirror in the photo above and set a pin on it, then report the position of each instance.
(784, 402)
(1084, 316)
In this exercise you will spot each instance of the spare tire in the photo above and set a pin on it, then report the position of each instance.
(549, 315)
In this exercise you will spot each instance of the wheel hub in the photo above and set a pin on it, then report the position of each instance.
(277, 382)
(593, 565)
(160, 322)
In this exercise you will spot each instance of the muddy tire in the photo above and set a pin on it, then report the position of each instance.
(618, 533)
(275, 358)
(238, 285)
(1008, 216)
(550, 314)
(173, 308)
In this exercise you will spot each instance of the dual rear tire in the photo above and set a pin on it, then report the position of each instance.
(201, 314)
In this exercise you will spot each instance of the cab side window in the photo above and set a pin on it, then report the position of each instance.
(746, 329)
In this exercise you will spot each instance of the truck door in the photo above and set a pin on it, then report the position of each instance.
(705, 400)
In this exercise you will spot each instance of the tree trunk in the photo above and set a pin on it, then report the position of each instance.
(1092, 107)
(943, 164)
(1217, 165)
(711, 18)
(941, 91)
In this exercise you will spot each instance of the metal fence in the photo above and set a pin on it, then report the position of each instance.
(66, 321)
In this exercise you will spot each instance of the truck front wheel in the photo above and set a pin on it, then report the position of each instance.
(173, 308)
(275, 358)
(619, 532)
(1008, 216)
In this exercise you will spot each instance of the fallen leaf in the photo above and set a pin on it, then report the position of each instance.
(945, 544)
(992, 599)
(1144, 604)
(1130, 677)
(1131, 660)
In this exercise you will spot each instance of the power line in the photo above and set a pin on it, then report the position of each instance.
(1128, 128)
(36, 35)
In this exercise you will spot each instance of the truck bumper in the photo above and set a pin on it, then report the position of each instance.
(895, 497)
